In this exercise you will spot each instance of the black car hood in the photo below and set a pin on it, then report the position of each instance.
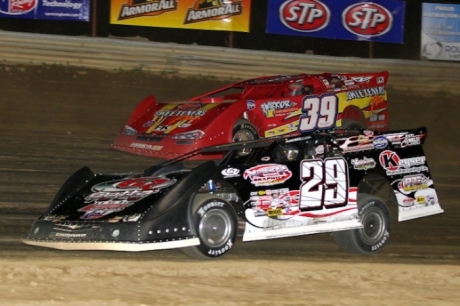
(110, 197)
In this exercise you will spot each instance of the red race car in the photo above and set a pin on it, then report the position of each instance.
(262, 107)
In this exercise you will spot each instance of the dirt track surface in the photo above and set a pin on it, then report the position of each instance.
(56, 119)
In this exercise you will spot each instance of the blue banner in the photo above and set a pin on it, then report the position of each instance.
(76, 10)
(379, 20)
(440, 38)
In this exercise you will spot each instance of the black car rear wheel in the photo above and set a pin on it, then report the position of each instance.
(376, 221)
(216, 226)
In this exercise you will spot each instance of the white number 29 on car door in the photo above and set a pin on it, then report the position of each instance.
(325, 184)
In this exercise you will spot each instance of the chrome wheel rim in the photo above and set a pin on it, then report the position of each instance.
(215, 228)
(243, 135)
(374, 226)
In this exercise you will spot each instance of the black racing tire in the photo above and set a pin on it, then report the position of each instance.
(243, 130)
(351, 124)
(370, 239)
(216, 224)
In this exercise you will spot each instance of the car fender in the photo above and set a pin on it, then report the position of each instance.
(172, 211)
(142, 111)
(221, 127)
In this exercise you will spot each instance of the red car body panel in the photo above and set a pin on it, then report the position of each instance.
(168, 129)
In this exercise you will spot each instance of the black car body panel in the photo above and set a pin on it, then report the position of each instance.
(278, 187)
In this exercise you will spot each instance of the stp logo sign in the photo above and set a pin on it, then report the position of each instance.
(367, 19)
(304, 15)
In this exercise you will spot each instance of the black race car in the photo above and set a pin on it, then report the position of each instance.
(341, 181)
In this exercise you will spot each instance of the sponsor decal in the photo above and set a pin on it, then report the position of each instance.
(144, 146)
(266, 175)
(54, 218)
(304, 15)
(278, 108)
(375, 102)
(363, 139)
(148, 123)
(357, 143)
(131, 218)
(175, 115)
(414, 182)
(67, 227)
(407, 202)
(274, 202)
(251, 105)
(365, 93)
(367, 19)
(281, 130)
(394, 165)
(274, 212)
(362, 79)
(67, 235)
(230, 172)
(420, 199)
(430, 199)
(135, 184)
(181, 113)
(114, 196)
(136, 8)
(410, 140)
(204, 10)
(363, 164)
(380, 142)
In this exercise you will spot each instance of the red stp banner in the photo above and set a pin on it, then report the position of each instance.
(379, 20)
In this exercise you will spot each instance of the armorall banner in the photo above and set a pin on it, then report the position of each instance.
(220, 15)
(379, 20)
(75, 10)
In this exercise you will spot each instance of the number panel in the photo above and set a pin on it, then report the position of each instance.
(325, 184)
(319, 113)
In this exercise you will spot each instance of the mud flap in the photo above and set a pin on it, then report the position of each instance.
(424, 203)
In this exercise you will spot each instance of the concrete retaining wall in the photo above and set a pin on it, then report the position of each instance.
(223, 63)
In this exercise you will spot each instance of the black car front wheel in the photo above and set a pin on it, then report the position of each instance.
(376, 221)
(216, 225)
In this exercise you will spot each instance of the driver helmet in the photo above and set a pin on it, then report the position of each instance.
(296, 89)
(292, 152)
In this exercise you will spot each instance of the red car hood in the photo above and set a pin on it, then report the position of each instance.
(153, 128)
(177, 117)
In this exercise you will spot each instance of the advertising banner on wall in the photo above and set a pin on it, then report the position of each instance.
(219, 15)
(378, 20)
(440, 31)
(75, 10)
